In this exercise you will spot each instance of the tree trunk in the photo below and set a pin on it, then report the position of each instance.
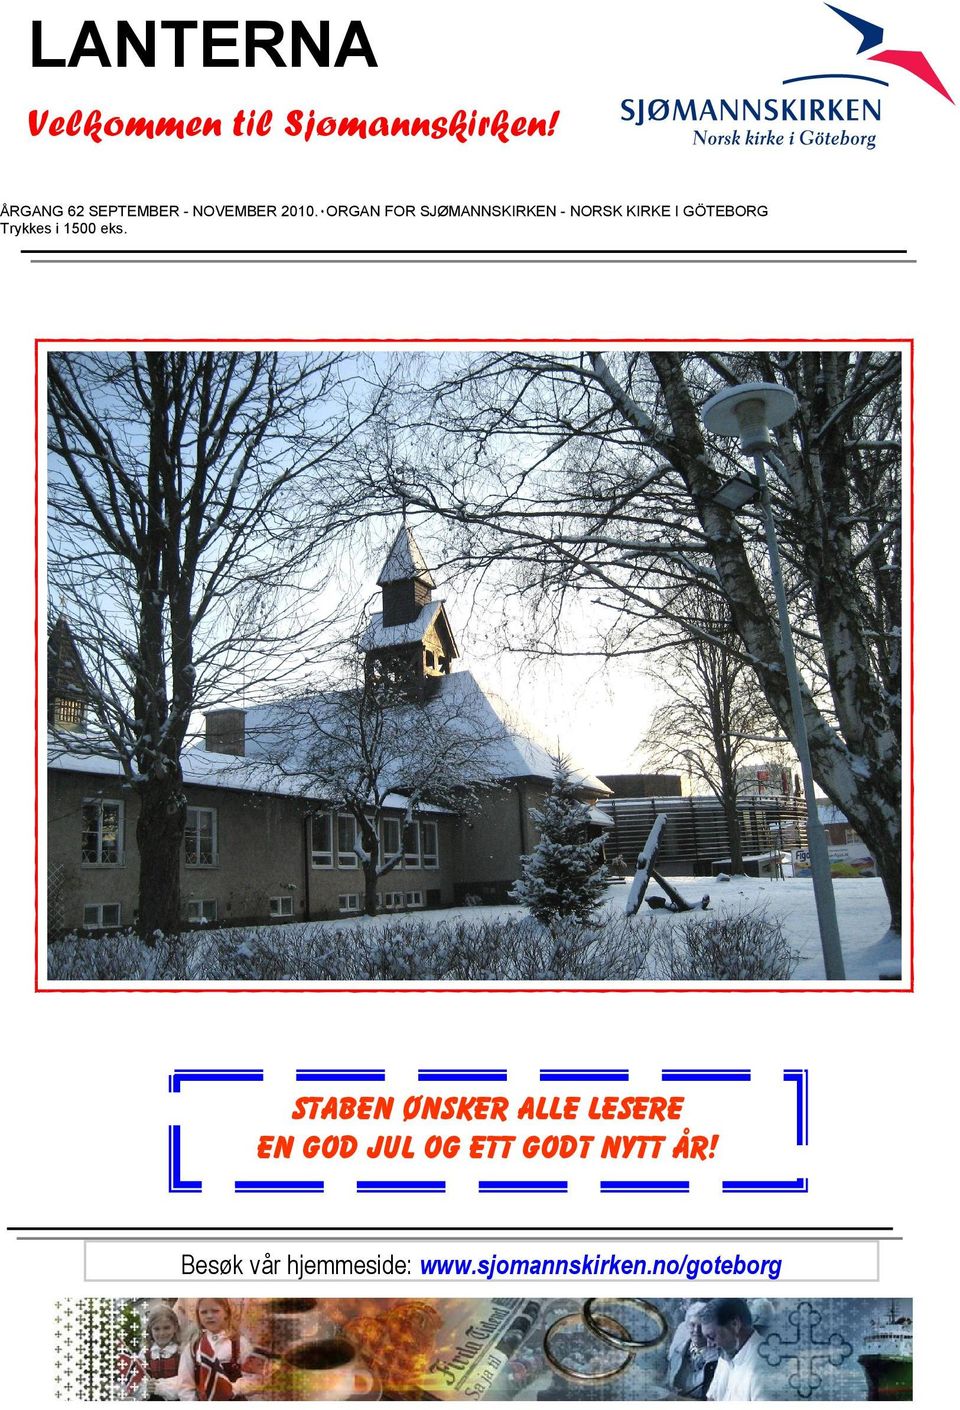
(370, 887)
(889, 867)
(883, 840)
(370, 841)
(159, 841)
(732, 820)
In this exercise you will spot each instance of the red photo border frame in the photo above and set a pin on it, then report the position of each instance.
(40, 344)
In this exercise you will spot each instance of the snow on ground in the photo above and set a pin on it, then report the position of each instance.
(323, 949)
(863, 917)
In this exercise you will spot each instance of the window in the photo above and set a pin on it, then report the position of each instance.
(414, 898)
(101, 832)
(102, 916)
(428, 842)
(321, 837)
(411, 845)
(348, 903)
(346, 840)
(201, 912)
(200, 837)
(321, 827)
(281, 905)
(391, 837)
(393, 900)
(69, 713)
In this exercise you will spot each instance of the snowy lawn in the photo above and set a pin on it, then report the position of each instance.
(490, 943)
(863, 917)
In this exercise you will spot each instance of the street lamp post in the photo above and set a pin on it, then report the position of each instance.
(749, 411)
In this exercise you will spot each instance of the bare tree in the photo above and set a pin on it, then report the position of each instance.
(375, 744)
(715, 713)
(592, 474)
(179, 549)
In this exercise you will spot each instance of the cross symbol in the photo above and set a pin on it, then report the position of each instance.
(809, 1353)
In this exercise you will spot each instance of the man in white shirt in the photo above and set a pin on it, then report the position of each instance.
(741, 1374)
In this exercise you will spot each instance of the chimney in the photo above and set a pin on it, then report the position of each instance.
(226, 731)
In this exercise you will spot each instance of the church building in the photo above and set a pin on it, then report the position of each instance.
(262, 844)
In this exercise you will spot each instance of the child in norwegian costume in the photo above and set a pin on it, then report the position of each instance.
(219, 1363)
(154, 1372)
(161, 1355)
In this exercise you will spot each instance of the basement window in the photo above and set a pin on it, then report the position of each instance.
(103, 915)
(201, 912)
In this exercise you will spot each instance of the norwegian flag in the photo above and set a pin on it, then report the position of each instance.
(213, 1383)
(132, 1372)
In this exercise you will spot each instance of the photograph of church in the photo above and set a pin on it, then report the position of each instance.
(250, 749)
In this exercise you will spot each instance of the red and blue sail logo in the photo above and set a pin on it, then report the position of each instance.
(871, 36)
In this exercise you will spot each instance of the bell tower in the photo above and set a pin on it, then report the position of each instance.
(410, 640)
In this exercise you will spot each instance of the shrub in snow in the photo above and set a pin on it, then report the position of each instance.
(402, 949)
(462, 948)
(562, 877)
(122, 954)
(745, 944)
(494, 948)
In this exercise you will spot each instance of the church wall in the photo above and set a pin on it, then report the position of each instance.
(70, 883)
(493, 840)
(259, 847)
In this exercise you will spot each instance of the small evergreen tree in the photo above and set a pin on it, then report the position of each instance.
(563, 876)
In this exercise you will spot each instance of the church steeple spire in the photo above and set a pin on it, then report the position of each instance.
(405, 581)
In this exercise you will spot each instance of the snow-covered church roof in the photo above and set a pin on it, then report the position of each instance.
(506, 745)
(201, 767)
(405, 561)
(519, 751)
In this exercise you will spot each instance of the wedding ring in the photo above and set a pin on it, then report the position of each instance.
(571, 1372)
(620, 1338)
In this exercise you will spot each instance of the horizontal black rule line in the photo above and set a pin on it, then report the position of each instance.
(534, 254)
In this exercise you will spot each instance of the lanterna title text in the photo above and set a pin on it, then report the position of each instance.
(209, 44)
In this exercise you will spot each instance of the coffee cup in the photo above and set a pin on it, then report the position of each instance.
(325, 1368)
(285, 1321)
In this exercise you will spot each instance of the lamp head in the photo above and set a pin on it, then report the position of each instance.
(749, 411)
